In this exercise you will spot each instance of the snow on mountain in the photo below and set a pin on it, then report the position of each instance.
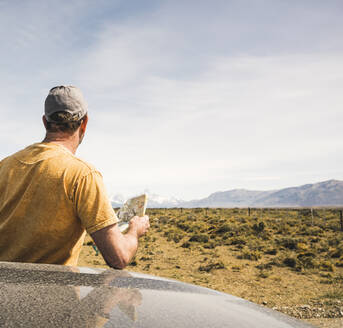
(154, 200)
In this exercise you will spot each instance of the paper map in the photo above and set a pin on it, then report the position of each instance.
(135, 206)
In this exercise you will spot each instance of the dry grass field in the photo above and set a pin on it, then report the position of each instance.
(287, 259)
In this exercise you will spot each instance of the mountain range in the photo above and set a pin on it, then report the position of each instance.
(326, 193)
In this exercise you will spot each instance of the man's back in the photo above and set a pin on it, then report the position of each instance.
(48, 197)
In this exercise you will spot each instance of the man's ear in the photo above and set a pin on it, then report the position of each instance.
(44, 121)
(82, 128)
(84, 124)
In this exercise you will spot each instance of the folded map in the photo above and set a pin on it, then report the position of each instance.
(135, 206)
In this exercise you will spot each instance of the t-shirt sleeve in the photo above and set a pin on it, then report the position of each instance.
(92, 204)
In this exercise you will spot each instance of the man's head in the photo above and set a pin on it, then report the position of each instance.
(65, 112)
(65, 107)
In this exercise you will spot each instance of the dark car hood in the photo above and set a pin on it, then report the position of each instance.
(41, 295)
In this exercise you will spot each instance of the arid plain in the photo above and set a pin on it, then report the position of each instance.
(290, 260)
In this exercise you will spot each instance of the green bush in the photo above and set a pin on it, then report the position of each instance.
(289, 243)
(211, 266)
(271, 251)
(336, 253)
(306, 260)
(264, 266)
(210, 245)
(237, 241)
(200, 238)
(327, 266)
(246, 254)
(223, 229)
(183, 226)
(145, 258)
(186, 245)
(258, 227)
(290, 262)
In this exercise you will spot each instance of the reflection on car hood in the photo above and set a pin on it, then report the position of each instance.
(42, 295)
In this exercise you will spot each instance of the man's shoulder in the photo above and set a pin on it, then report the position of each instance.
(55, 157)
(81, 165)
(73, 164)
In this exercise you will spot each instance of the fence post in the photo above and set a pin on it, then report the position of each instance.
(341, 219)
(248, 211)
(312, 215)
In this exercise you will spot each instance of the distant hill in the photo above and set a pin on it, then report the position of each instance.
(327, 193)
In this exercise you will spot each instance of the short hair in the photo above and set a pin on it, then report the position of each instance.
(63, 122)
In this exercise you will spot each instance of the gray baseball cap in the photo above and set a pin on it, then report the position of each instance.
(65, 98)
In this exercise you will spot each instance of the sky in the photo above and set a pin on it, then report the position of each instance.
(185, 98)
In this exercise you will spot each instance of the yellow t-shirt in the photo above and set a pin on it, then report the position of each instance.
(48, 198)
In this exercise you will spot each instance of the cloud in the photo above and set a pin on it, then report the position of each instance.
(185, 98)
(241, 114)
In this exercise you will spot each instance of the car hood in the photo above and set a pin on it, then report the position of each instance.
(42, 295)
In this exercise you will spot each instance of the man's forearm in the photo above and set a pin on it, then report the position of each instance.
(116, 248)
(129, 247)
(119, 249)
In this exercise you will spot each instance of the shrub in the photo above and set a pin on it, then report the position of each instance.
(249, 255)
(289, 243)
(255, 244)
(237, 241)
(315, 240)
(163, 219)
(223, 229)
(336, 253)
(290, 262)
(263, 274)
(327, 266)
(145, 258)
(264, 266)
(227, 235)
(182, 226)
(213, 221)
(258, 227)
(271, 251)
(314, 231)
(301, 246)
(334, 293)
(186, 244)
(177, 238)
(306, 260)
(210, 245)
(199, 238)
(211, 266)
(211, 228)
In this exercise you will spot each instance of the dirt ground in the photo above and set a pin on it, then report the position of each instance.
(313, 295)
(327, 323)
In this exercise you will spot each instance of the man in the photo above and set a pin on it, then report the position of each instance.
(49, 198)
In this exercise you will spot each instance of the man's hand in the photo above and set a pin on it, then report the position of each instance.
(139, 225)
(116, 248)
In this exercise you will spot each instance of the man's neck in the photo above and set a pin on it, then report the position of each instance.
(69, 142)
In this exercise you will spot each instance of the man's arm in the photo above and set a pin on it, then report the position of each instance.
(116, 248)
